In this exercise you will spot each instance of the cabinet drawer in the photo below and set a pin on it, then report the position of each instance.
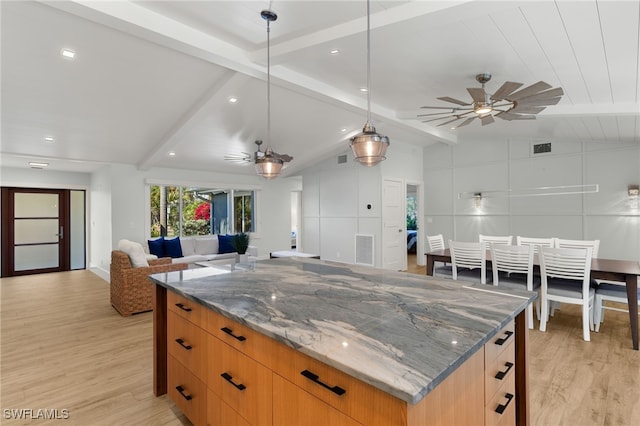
(497, 374)
(244, 339)
(186, 308)
(294, 406)
(186, 391)
(187, 343)
(498, 343)
(242, 383)
(220, 414)
(356, 399)
(501, 409)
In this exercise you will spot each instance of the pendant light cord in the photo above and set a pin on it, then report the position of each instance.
(368, 66)
(268, 84)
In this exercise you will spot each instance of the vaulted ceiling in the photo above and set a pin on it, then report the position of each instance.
(154, 77)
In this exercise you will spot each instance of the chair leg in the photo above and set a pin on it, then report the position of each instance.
(585, 322)
(544, 315)
(598, 314)
(530, 315)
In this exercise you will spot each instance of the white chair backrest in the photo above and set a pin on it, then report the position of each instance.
(436, 242)
(593, 244)
(512, 259)
(488, 239)
(566, 263)
(468, 255)
(536, 243)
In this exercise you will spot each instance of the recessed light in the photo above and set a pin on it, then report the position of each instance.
(334, 51)
(364, 89)
(344, 129)
(69, 54)
(37, 165)
(48, 139)
(233, 99)
(172, 154)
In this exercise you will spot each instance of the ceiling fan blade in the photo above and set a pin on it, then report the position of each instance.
(487, 119)
(539, 102)
(505, 90)
(284, 157)
(478, 94)
(527, 109)
(528, 91)
(435, 113)
(465, 122)
(510, 116)
(244, 157)
(452, 100)
(553, 93)
(450, 121)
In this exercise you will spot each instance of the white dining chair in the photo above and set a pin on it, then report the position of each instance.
(495, 239)
(609, 292)
(468, 261)
(536, 243)
(565, 279)
(513, 268)
(594, 244)
(436, 242)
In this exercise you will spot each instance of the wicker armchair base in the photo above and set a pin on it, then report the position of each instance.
(131, 288)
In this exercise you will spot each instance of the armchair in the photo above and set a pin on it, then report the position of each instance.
(131, 289)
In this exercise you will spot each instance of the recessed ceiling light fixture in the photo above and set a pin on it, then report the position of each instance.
(369, 147)
(37, 165)
(334, 51)
(344, 129)
(364, 89)
(172, 153)
(67, 53)
(233, 99)
(48, 139)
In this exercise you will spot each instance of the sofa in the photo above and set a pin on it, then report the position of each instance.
(197, 249)
(131, 288)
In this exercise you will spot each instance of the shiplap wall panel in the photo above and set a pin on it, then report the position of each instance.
(338, 249)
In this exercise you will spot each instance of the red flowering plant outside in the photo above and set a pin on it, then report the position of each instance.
(203, 211)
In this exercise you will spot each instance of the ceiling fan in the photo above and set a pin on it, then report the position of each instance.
(507, 103)
(246, 157)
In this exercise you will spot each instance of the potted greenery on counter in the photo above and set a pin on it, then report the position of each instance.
(241, 244)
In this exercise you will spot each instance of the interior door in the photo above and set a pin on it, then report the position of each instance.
(35, 228)
(394, 233)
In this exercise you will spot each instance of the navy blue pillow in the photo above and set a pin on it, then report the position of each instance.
(225, 244)
(157, 246)
(172, 247)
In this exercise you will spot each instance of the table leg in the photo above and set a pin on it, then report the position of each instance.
(430, 263)
(522, 369)
(159, 340)
(632, 298)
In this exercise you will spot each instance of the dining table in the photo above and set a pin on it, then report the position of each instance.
(625, 271)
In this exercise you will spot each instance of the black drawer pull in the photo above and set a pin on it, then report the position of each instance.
(314, 378)
(180, 389)
(229, 379)
(501, 407)
(181, 343)
(501, 342)
(230, 333)
(500, 375)
(181, 306)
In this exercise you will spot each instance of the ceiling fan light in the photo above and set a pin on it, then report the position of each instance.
(482, 108)
(369, 148)
(269, 167)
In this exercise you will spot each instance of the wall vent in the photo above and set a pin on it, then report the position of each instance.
(364, 250)
(541, 148)
(342, 159)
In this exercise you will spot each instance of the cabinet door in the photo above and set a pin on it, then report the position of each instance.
(294, 406)
(186, 391)
(187, 343)
(220, 414)
(239, 381)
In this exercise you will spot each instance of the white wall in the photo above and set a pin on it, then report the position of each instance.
(484, 166)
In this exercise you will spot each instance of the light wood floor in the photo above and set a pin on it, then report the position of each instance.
(62, 346)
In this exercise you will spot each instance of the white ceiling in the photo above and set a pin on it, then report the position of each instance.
(153, 77)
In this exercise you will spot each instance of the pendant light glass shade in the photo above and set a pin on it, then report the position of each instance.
(369, 148)
(269, 166)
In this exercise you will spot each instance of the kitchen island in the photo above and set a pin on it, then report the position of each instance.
(295, 340)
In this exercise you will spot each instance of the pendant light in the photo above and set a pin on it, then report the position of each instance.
(369, 148)
(268, 164)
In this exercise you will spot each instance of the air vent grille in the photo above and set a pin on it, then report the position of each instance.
(541, 148)
(342, 159)
(364, 249)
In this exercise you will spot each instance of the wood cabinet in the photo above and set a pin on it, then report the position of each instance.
(221, 372)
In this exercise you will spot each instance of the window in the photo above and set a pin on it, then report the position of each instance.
(184, 211)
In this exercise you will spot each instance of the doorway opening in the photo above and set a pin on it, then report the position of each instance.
(415, 243)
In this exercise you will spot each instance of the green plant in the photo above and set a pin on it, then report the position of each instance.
(241, 242)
